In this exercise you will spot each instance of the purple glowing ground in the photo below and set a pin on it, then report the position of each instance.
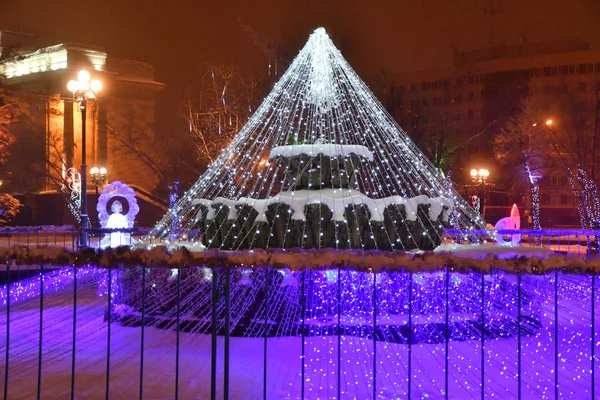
(284, 357)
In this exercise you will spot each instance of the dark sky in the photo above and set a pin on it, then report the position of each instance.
(396, 35)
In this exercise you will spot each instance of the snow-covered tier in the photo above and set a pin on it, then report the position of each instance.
(321, 165)
(327, 149)
(327, 218)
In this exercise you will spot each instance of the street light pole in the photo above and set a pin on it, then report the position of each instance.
(83, 91)
(85, 219)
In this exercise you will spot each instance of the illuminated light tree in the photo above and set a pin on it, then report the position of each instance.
(322, 164)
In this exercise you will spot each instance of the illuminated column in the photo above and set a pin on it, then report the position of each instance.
(69, 134)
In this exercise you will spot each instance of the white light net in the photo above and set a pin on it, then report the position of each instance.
(320, 164)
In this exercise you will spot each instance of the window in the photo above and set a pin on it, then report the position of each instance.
(424, 102)
(413, 87)
(554, 180)
(423, 85)
(581, 69)
(571, 69)
(457, 117)
(590, 68)
(481, 95)
(534, 72)
(437, 101)
(545, 198)
(564, 199)
(413, 104)
(471, 96)
(564, 70)
(581, 87)
(470, 114)
(469, 79)
(459, 98)
(434, 86)
(446, 83)
(564, 88)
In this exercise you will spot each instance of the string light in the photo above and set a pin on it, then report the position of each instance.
(319, 101)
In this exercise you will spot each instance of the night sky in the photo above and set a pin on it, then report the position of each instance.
(394, 35)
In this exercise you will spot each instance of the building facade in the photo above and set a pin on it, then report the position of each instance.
(461, 108)
(52, 140)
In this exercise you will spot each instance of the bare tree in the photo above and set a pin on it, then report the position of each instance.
(559, 129)
(515, 151)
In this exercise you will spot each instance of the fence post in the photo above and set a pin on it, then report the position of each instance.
(374, 335)
(593, 333)
(519, 334)
(6, 358)
(142, 333)
(339, 333)
(303, 298)
(177, 344)
(447, 332)
(39, 377)
(410, 284)
(266, 306)
(556, 333)
(109, 320)
(482, 335)
(213, 348)
(74, 332)
(227, 323)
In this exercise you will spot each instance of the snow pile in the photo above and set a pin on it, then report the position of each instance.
(326, 149)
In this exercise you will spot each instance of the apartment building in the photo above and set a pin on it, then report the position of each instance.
(466, 104)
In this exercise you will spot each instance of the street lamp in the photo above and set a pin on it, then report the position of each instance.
(98, 177)
(480, 176)
(83, 91)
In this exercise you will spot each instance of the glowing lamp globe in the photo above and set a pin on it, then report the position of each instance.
(96, 85)
(94, 170)
(102, 171)
(72, 86)
(83, 76)
(473, 172)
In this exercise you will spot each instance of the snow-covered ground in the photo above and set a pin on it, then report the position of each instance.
(284, 358)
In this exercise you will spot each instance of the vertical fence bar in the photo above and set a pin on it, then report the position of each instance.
(74, 332)
(266, 307)
(109, 320)
(482, 335)
(519, 335)
(374, 335)
(6, 358)
(227, 323)
(556, 334)
(303, 372)
(39, 376)
(447, 333)
(410, 284)
(142, 335)
(593, 341)
(177, 339)
(213, 348)
(339, 334)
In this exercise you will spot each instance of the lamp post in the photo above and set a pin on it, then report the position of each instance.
(480, 176)
(83, 91)
(98, 177)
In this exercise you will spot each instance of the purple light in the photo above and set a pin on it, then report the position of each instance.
(54, 281)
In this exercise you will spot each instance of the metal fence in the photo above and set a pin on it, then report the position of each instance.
(243, 333)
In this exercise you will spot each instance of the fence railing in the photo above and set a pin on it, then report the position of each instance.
(246, 332)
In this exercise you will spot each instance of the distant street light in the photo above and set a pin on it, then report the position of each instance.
(480, 176)
(83, 91)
